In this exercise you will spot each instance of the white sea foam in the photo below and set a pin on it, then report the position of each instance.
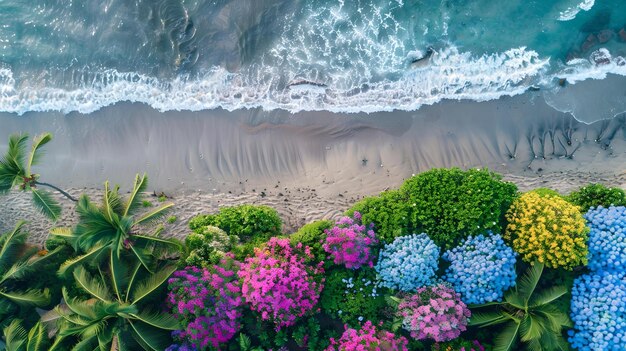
(571, 12)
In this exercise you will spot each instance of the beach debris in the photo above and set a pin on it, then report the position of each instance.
(364, 162)
(161, 195)
(589, 43)
(605, 35)
(622, 34)
(562, 82)
(423, 61)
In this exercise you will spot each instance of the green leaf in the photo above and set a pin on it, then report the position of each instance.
(30, 297)
(134, 200)
(72, 263)
(155, 214)
(46, 204)
(530, 328)
(15, 336)
(153, 282)
(158, 320)
(156, 339)
(506, 340)
(244, 342)
(118, 274)
(37, 338)
(143, 257)
(548, 295)
(11, 244)
(528, 282)
(35, 152)
(486, 319)
(92, 286)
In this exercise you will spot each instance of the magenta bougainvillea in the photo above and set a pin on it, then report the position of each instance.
(350, 243)
(368, 338)
(434, 312)
(279, 283)
(208, 302)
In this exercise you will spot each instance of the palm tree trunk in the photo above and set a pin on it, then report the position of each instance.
(58, 189)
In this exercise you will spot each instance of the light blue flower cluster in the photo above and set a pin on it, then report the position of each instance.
(407, 263)
(481, 269)
(607, 238)
(599, 311)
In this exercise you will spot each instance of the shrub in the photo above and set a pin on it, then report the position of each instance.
(408, 263)
(279, 284)
(595, 195)
(208, 303)
(312, 235)
(481, 269)
(546, 192)
(349, 243)
(353, 296)
(607, 238)
(390, 212)
(598, 310)
(244, 221)
(206, 246)
(434, 312)
(458, 345)
(451, 204)
(368, 338)
(547, 229)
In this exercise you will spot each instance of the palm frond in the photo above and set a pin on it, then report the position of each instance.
(16, 271)
(528, 282)
(134, 200)
(119, 276)
(153, 282)
(144, 257)
(30, 297)
(35, 151)
(485, 319)
(46, 204)
(531, 328)
(547, 296)
(88, 344)
(17, 147)
(154, 215)
(11, 243)
(12, 164)
(79, 260)
(506, 340)
(158, 320)
(156, 339)
(15, 336)
(92, 286)
(172, 243)
(37, 338)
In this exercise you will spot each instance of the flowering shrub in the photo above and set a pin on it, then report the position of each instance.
(595, 195)
(245, 221)
(434, 312)
(598, 310)
(481, 269)
(312, 235)
(451, 204)
(547, 229)
(206, 246)
(353, 296)
(368, 338)
(458, 345)
(279, 284)
(390, 212)
(408, 262)
(349, 243)
(207, 301)
(607, 238)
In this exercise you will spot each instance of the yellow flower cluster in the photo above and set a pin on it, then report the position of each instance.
(547, 229)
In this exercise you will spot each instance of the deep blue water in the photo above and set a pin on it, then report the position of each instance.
(341, 55)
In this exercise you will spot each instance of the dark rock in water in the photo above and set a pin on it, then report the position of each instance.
(600, 57)
(562, 82)
(306, 82)
(622, 34)
(533, 88)
(589, 43)
(572, 55)
(605, 35)
(620, 61)
(424, 60)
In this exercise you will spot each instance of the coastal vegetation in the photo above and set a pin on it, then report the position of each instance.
(452, 260)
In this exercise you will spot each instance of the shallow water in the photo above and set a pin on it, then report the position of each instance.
(340, 56)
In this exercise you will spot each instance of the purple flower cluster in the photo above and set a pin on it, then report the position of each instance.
(279, 284)
(208, 302)
(434, 312)
(350, 243)
(368, 338)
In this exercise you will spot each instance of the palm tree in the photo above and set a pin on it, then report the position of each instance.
(17, 339)
(109, 320)
(16, 171)
(110, 232)
(17, 262)
(527, 315)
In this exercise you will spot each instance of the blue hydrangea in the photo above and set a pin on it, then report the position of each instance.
(407, 263)
(607, 238)
(481, 269)
(598, 310)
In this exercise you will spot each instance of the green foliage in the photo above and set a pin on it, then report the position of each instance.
(595, 195)
(146, 203)
(206, 246)
(307, 334)
(17, 339)
(451, 204)
(245, 221)
(347, 295)
(543, 192)
(526, 315)
(171, 219)
(312, 235)
(390, 212)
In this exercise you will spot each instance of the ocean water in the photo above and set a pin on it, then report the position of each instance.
(334, 55)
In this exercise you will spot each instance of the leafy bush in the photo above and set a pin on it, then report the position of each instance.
(547, 229)
(349, 243)
(295, 286)
(595, 195)
(390, 212)
(368, 338)
(607, 238)
(481, 269)
(458, 345)
(408, 263)
(208, 303)
(434, 312)
(598, 310)
(312, 235)
(244, 221)
(353, 296)
(206, 246)
(546, 192)
(451, 204)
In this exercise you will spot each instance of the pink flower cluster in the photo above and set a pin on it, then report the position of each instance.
(435, 312)
(368, 339)
(349, 243)
(279, 284)
(208, 302)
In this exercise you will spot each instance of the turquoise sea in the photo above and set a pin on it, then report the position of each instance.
(339, 55)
